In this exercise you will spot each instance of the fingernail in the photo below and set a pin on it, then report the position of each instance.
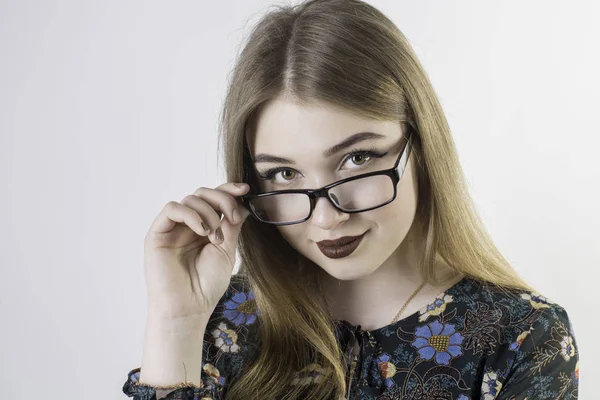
(219, 234)
(204, 226)
(240, 185)
(236, 215)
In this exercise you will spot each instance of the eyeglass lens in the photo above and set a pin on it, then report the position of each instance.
(356, 195)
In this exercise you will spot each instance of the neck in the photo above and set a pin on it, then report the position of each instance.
(360, 301)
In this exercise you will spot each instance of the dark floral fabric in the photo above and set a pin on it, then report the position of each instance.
(472, 342)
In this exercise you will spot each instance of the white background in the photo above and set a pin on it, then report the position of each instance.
(108, 110)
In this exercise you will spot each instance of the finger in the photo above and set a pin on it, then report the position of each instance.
(173, 213)
(208, 215)
(216, 232)
(232, 231)
(244, 188)
(223, 199)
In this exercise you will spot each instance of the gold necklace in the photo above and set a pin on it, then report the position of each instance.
(355, 358)
(407, 301)
(399, 312)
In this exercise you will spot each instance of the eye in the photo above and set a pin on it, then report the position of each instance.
(290, 172)
(269, 175)
(361, 157)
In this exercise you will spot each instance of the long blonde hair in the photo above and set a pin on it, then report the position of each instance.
(344, 52)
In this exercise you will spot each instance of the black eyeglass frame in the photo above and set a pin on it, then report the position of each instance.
(314, 194)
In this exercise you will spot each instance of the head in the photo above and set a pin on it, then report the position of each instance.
(308, 146)
(308, 77)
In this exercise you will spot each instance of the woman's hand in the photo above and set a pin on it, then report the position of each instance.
(189, 252)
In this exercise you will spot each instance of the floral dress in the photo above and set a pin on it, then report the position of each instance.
(472, 342)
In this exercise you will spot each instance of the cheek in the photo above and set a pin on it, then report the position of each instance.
(292, 234)
(399, 214)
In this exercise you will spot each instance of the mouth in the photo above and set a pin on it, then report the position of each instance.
(341, 247)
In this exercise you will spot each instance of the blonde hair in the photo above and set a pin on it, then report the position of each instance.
(347, 53)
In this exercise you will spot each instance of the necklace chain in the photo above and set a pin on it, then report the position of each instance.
(408, 301)
(401, 310)
(353, 363)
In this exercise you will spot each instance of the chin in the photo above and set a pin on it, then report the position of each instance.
(345, 271)
(348, 277)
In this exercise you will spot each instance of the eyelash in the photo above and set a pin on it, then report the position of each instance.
(371, 153)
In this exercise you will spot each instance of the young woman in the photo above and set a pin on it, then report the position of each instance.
(365, 271)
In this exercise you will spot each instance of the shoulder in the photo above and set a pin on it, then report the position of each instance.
(479, 308)
(532, 339)
(472, 294)
(514, 310)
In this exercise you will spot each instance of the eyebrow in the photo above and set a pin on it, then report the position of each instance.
(356, 138)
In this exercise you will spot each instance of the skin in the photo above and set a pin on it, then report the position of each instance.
(382, 270)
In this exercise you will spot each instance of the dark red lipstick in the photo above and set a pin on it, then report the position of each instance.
(341, 247)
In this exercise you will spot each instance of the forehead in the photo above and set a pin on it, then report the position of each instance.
(284, 127)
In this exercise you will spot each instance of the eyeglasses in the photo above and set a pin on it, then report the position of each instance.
(351, 195)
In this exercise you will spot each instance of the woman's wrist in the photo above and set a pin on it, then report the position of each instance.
(172, 351)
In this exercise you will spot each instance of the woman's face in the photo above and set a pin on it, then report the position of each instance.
(302, 134)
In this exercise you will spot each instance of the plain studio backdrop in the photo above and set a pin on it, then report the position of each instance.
(109, 109)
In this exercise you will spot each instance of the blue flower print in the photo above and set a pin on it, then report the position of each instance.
(491, 385)
(435, 308)
(312, 373)
(387, 370)
(438, 340)
(516, 345)
(536, 300)
(575, 375)
(226, 339)
(212, 371)
(241, 308)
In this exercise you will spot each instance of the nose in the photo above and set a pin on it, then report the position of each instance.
(326, 216)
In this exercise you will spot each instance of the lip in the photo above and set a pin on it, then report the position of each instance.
(341, 247)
